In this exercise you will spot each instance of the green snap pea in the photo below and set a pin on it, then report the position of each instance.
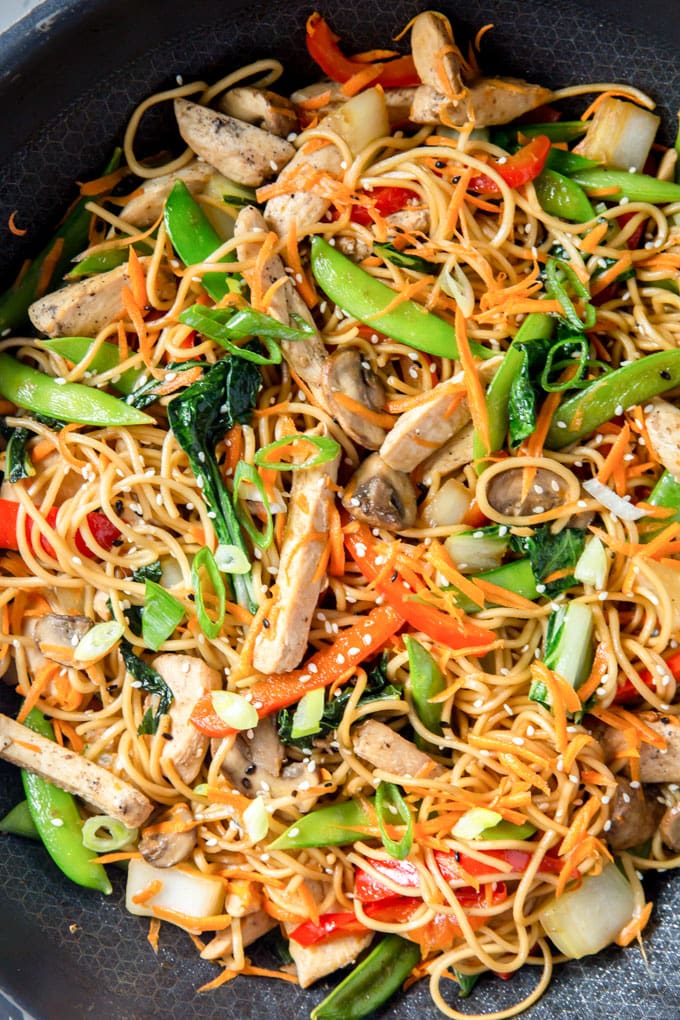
(328, 826)
(195, 239)
(666, 493)
(364, 297)
(58, 822)
(103, 261)
(561, 196)
(517, 577)
(425, 681)
(72, 237)
(634, 187)
(75, 348)
(558, 131)
(372, 983)
(40, 393)
(612, 393)
(566, 162)
(392, 809)
(18, 822)
(536, 326)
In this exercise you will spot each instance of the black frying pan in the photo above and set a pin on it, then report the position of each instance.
(70, 74)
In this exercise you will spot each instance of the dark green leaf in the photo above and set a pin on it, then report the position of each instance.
(549, 553)
(466, 982)
(150, 681)
(401, 258)
(18, 461)
(147, 393)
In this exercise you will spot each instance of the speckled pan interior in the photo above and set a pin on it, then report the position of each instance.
(70, 74)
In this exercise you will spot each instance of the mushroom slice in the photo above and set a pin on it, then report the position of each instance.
(146, 204)
(164, 849)
(670, 827)
(107, 793)
(347, 375)
(427, 426)
(662, 421)
(189, 678)
(246, 154)
(390, 752)
(438, 60)
(381, 496)
(83, 308)
(509, 495)
(267, 110)
(634, 818)
(250, 771)
(57, 636)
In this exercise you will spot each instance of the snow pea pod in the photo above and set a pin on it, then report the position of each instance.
(75, 348)
(561, 196)
(611, 394)
(40, 393)
(328, 826)
(58, 822)
(69, 240)
(372, 983)
(666, 493)
(18, 822)
(425, 682)
(634, 187)
(195, 239)
(366, 298)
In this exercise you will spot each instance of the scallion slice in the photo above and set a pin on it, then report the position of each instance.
(117, 835)
(231, 560)
(162, 613)
(392, 809)
(98, 641)
(256, 820)
(248, 473)
(327, 449)
(235, 710)
(204, 560)
(307, 717)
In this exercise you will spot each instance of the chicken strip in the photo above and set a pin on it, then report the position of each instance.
(662, 420)
(189, 678)
(107, 793)
(390, 752)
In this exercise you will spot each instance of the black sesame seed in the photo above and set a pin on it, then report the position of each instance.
(266, 624)
(665, 374)
(440, 164)
(245, 783)
(394, 576)
(250, 769)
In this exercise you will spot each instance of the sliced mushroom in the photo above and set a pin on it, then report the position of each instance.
(57, 636)
(381, 496)
(145, 205)
(662, 421)
(670, 827)
(246, 154)
(634, 817)
(83, 308)
(267, 110)
(508, 494)
(437, 58)
(164, 849)
(346, 373)
(390, 752)
(265, 775)
(189, 678)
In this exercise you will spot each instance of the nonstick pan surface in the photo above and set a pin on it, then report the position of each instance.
(70, 74)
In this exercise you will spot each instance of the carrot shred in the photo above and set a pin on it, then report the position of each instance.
(154, 932)
(137, 279)
(42, 679)
(475, 391)
(13, 228)
(316, 102)
(635, 927)
(382, 420)
(104, 183)
(221, 979)
(593, 237)
(623, 262)
(148, 893)
(119, 855)
(597, 102)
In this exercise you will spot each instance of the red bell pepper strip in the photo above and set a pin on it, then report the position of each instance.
(385, 202)
(330, 926)
(103, 531)
(322, 46)
(351, 647)
(519, 169)
(442, 627)
(627, 693)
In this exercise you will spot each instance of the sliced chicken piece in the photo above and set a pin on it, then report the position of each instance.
(189, 678)
(246, 154)
(267, 110)
(165, 849)
(299, 581)
(425, 428)
(662, 420)
(390, 752)
(305, 357)
(147, 202)
(398, 101)
(57, 636)
(657, 765)
(634, 817)
(253, 927)
(453, 455)
(105, 792)
(488, 101)
(83, 308)
(438, 60)
(667, 580)
(381, 496)
(315, 962)
(302, 207)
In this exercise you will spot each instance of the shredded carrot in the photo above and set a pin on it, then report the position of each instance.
(336, 563)
(615, 456)
(594, 236)
(148, 893)
(579, 825)
(70, 733)
(611, 94)
(62, 444)
(13, 228)
(475, 391)
(512, 762)
(360, 80)
(597, 673)
(316, 102)
(579, 742)
(440, 559)
(280, 913)
(49, 265)
(623, 262)
(265, 972)
(221, 979)
(42, 449)
(120, 855)
(635, 927)
(382, 420)
(101, 184)
(154, 932)
(33, 748)
(213, 922)
(137, 279)
(622, 719)
(178, 380)
(457, 200)
(42, 680)
(504, 597)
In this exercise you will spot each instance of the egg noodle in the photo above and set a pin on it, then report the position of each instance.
(539, 764)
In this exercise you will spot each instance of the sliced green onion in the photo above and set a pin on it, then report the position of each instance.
(593, 564)
(235, 710)
(472, 824)
(307, 717)
(248, 473)
(550, 367)
(204, 560)
(99, 640)
(328, 449)
(162, 613)
(117, 835)
(201, 790)
(392, 809)
(231, 560)
(556, 288)
(209, 322)
(256, 820)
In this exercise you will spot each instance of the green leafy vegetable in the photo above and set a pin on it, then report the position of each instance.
(389, 253)
(466, 982)
(224, 325)
(247, 473)
(550, 553)
(150, 681)
(18, 463)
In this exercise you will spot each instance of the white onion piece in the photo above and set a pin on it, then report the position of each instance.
(589, 918)
(449, 504)
(620, 135)
(182, 891)
(455, 283)
(611, 501)
(593, 564)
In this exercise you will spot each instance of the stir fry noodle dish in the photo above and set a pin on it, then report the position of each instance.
(340, 524)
